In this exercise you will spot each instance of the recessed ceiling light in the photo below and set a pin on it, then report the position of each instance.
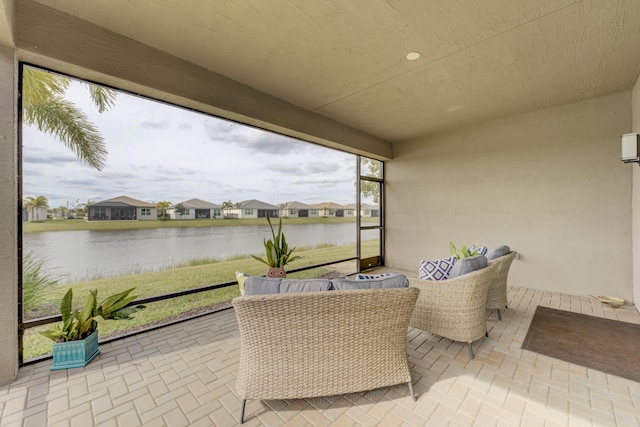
(412, 56)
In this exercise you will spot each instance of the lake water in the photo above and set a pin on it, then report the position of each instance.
(78, 255)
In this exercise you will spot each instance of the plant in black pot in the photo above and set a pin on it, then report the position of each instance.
(277, 251)
(76, 338)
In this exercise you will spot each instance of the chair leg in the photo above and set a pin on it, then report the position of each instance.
(486, 334)
(470, 350)
(242, 411)
(499, 314)
(413, 396)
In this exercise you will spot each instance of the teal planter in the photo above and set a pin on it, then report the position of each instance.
(75, 354)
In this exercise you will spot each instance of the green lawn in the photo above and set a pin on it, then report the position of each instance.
(176, 279)
(80, 224)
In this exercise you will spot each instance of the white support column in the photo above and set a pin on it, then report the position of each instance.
(8, 218)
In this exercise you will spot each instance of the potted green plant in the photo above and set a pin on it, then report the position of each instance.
(76, 338)
(463, 252)
(278, 252)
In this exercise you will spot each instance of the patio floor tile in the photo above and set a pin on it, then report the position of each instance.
(184, 375)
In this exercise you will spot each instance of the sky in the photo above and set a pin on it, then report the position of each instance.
(158, 152)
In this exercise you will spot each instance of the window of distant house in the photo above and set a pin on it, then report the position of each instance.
(248, 211)
(145, 212)
(314, 212)
(216, 212)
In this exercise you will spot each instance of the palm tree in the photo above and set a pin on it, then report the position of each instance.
(45, 107)
(181, 209)
(83, 208)
(162, 208)
(34, 203)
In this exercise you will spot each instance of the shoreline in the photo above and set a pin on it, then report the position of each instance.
(80, 225)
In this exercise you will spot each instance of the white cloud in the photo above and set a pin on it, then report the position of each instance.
(162, 152)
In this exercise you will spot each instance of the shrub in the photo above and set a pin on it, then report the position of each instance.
(34, 281)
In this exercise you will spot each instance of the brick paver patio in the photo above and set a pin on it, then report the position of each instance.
(184, 375)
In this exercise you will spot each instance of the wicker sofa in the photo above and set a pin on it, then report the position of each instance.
(497, 296)
(455, 308)
(311, 344)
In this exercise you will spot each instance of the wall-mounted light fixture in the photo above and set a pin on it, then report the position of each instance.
(630, 148)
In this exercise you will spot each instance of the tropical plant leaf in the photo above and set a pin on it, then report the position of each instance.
(109, 301)
(463, 252)
(126, 312)
(45, 107)
(102, 97)
(121, 303)
(114, 302)
(39, 85)
(55, 334)
(259, 259)
(59, 117)
(80, 324)
(65, 306)
(277, 249)
(72, 330)
(274, 257)
(88, 308)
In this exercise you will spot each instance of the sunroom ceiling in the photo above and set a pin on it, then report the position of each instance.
(346, 59)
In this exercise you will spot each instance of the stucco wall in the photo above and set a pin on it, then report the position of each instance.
(635, 119)
(549, 184)
(8, 221)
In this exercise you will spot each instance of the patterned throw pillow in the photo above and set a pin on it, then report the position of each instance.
(397, 280)
(436, 270)
(482, 250)
(373, 276)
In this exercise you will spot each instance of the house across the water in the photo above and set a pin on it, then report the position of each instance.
(121, 208)
(195, 209)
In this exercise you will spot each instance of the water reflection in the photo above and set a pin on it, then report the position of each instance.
(79, 255)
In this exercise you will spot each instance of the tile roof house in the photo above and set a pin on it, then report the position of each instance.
(366, 209)
(121, 208)
(196, 209)
(298, 210)
(330, 209)
(252, 209)
(34, 214)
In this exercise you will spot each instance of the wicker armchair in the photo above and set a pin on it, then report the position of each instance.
(312, 344)
(497, 296)
(455, 308)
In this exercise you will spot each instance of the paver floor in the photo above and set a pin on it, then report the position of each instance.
(184, 375)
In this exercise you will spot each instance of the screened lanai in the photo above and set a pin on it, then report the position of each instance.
(497, 122)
